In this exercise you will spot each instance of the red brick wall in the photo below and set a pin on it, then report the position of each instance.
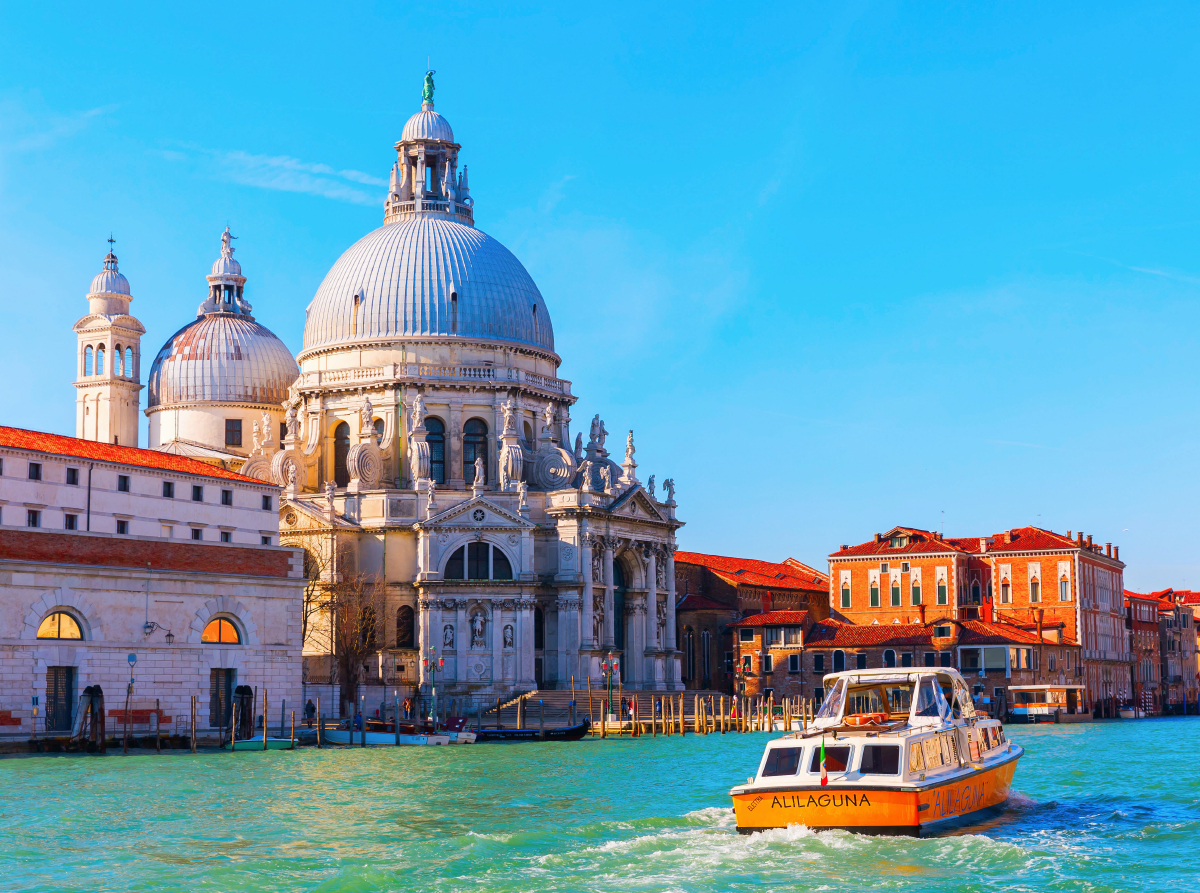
(93, 550)
(861, 611)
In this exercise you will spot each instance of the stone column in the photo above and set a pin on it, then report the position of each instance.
(610, 543)
(586, 543)
(652, 643)
(568, 637)
(669, 632)
(523, 641)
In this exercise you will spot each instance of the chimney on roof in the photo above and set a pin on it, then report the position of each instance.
(878, 537)
(921, 613)
(982, 544)
(1008, 535)
(1069, 536)
(1089, 541)
(843, 547)
(1108, 549)
(1079, 539)
(1117, 552)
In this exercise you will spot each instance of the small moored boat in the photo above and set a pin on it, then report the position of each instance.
(890, 752)
(380, 734)
(560, 733)
(257, 744)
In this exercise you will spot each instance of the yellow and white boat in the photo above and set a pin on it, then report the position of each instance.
(890, 752)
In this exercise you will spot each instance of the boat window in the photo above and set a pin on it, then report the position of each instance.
(836, 759)
(832, 705)
(880, 759)
(927, 702)
(782, 761)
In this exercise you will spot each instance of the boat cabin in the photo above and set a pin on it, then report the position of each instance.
(875, 725)
(1039, 703)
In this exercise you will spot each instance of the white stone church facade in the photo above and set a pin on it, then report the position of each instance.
(423, 435)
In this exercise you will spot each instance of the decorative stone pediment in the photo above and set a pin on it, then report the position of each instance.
(477, 513)
(635, 503)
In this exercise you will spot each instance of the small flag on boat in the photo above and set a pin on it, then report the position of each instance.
(824, 775)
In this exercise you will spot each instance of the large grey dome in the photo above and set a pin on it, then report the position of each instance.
(427, 276)
(222, 358)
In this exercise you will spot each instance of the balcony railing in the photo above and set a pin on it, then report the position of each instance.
(434, 372)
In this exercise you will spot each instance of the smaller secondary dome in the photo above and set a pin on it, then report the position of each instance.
(427, 125)
(222, 358)
(110, 281)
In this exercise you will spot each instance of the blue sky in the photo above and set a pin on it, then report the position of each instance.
(839, 267)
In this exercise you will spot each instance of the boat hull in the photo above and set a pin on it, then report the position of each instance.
(883, 809)
(563, 733)
(257, 744)
(383, 739)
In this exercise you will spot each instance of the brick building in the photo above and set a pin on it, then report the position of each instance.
(1177, 653)
(716, 591)
(1141, 620)
(1026, 575)
(787, 653)
(97, 563)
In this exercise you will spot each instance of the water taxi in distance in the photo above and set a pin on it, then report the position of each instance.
(890, 752)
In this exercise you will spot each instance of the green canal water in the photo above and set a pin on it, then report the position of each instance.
(1108, 806)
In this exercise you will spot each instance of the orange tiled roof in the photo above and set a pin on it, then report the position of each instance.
(919, 542)
(774, 618)
(60, 445)
(831, 634)
(790, 574)
(701, 603)
(1017, 539)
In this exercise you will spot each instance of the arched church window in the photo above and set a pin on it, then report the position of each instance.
(528, 436)
(478, 561)
(87, 360)
(454, 313)
(404, 627)
(536, 327)
(59, 625)
(539, 630)
(100, 360)
(436, 439)
(118, 366)
(378, 426)
(129, 362)
(221, 631)
(474, 445)
(341, 447)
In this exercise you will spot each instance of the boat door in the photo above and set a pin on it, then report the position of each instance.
(1072, 699)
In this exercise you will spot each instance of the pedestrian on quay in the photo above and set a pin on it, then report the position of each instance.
(310, 712)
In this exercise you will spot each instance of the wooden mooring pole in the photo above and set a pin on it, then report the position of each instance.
(193, 723)
(320, 721)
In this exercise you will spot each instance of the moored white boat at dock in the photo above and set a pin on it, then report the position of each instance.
(890, 752)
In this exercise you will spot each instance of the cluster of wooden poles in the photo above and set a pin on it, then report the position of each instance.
(710, 714)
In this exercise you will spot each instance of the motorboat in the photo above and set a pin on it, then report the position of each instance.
(559, 733)
(257, 744)
(1062, 703)
(890, 752)
(383, 734)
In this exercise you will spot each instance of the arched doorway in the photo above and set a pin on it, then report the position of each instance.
(620, 589)
(341, 447)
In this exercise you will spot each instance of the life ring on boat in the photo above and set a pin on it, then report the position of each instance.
(866, 719)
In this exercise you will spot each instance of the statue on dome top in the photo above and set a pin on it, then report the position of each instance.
(226, 243)
(427, 92)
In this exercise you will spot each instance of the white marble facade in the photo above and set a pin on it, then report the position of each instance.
(428, 432)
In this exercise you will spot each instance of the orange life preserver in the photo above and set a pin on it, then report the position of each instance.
(866, 719)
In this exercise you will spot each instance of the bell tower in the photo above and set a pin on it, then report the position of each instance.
(108, 363)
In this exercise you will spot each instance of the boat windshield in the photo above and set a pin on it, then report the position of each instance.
(928, 702)
(832, 705)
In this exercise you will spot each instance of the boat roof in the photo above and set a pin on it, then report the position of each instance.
(1045, 685)
(893, 674)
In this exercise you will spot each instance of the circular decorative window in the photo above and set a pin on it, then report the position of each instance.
(290, 519)
(479, 514)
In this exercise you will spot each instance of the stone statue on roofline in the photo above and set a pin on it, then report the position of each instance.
(650, 485)
(669, 486)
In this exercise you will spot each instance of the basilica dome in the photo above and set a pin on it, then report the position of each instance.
(428, 275)
(222, 356)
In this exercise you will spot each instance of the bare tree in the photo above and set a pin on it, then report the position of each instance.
(356, 604)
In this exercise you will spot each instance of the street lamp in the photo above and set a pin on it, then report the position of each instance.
(610, 665)
(432, 664)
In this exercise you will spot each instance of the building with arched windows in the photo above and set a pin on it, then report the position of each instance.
(429, 447)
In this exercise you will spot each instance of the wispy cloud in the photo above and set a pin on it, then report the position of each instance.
(284, 173)
(1173, 275)
(28, 125)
